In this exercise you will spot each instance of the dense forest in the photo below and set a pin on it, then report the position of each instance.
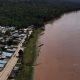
(32, 12)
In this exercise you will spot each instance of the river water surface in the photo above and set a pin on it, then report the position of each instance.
(59, 57)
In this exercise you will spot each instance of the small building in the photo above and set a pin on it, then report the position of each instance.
(4, 31)
(1, 38)
(22, 35)
(12, 28)
(3, 61)
(6, 55)
(1, 66)
(25, 30)
(12, 50)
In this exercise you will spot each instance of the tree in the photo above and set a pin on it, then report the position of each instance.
(20, 53)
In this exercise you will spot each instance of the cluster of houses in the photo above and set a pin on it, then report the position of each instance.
(10, 37)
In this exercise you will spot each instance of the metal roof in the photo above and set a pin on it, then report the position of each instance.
(3, 62)
(7, 54)
(2, 65)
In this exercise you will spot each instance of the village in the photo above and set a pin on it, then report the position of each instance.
(11, 43)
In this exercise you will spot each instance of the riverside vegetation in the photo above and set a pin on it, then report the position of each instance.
(29, 56)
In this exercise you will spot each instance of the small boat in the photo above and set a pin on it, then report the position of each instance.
(40, 45)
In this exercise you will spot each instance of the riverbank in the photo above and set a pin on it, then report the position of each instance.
(29, 56)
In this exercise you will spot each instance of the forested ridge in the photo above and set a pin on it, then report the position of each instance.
(32, 12)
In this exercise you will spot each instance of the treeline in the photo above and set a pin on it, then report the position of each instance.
(22, 14)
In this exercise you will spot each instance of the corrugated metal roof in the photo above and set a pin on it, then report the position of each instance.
(2, 65)
(3, 62)
(7, 54)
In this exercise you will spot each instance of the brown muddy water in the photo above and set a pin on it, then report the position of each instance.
(59, 57)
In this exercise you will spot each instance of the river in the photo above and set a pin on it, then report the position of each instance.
(59, 57)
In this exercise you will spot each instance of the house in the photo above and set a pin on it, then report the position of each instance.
(15, 35)
(16, 42)
(25, 30)
(4, 31)
(6, 55)
(1, 38)
(3, 61)
(12, 28)
(13, 46)
(22, 35)
(16, 31)
(11, 50)
(1, 66)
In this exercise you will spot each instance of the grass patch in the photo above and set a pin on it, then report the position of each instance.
(26, 69)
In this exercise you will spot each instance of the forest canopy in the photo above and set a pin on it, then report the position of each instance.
(24, 13)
